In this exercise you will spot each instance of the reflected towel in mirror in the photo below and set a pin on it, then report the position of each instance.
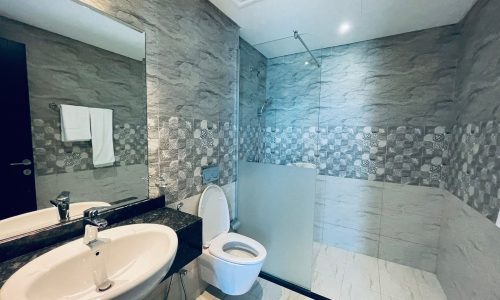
(101, 122)
(75, 123)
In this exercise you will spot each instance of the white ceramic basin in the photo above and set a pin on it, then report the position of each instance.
(136, 257)
(41, 218)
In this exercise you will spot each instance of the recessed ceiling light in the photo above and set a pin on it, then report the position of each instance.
(344, 28)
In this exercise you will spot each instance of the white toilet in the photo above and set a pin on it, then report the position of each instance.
(230, 261)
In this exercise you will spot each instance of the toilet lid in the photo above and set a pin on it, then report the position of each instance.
(214, 210)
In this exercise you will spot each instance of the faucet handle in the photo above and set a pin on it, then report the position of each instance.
(90, 213)
(92, 218)
(63, 197)
(96, 222)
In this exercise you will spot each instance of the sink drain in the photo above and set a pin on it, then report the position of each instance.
(105, 286)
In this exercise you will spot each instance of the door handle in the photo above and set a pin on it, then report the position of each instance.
(25, 162)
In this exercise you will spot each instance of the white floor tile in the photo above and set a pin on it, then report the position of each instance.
(352, 293)
(261, 290)
(361, 273)
(331, 260)
(429, 286)
(398, 281)
(342, 275)
(326, 287)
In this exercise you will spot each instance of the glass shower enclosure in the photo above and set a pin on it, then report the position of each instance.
(279, 147)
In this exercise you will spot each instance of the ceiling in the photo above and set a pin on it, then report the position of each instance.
(71, 19)
(269, 24)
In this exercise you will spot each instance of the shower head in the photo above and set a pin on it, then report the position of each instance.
(264, 106)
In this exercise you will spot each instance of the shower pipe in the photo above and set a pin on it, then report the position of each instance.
(297, 36)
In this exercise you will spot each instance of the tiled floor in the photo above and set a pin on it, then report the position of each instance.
(344, 275)
(261, 290)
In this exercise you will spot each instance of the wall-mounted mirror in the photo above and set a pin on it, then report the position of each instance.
(74, 104)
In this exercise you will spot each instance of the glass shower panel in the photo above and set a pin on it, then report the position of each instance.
(279, 152)
(276, 208)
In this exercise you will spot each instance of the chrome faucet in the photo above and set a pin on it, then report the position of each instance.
(98, 264)
(92, 225)
(62, 204)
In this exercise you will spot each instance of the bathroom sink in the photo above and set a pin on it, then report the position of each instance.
(135, 257)
(41, 218)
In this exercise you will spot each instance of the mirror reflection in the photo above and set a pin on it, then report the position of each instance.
(75, 88)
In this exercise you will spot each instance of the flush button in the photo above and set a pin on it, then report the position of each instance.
(27, 172)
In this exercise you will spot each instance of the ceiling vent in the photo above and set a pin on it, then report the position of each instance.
(243, 3)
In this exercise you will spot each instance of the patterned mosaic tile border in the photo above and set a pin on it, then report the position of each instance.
(407, 155)
(188, 145)
(464, 159)
(475, 166)
(53, 156)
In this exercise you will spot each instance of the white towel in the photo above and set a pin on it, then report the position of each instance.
(75, 123)
(101, 122)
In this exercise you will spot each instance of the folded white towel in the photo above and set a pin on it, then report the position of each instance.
(75, 123)
(101, 122)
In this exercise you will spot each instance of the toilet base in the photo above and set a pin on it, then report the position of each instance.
(230, 278)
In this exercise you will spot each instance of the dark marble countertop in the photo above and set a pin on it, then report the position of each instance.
(176, 220)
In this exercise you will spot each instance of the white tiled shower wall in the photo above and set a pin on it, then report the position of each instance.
(398, 223)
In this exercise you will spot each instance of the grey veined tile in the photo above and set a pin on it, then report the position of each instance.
(351, 239)
(410, 227)
(353, 215)
(424, 202)
(408, 254)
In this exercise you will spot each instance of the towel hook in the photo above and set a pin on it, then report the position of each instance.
(53, 106)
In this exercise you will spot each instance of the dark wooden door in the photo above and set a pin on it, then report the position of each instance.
(17, 169)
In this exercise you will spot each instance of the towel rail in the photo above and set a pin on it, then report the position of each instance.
(57, 107)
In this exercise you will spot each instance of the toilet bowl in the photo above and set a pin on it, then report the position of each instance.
(231, 262)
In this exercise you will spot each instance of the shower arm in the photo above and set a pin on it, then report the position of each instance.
(297, 36)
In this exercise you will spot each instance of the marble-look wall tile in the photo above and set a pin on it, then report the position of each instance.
(406, 79)
(252, 88)
(351, 239)
(425, 201)
(65, 71)
(468, 266)
(352, 214)
(191, 64)
(408, 253)
(294, 89)
(475, 158)
(252, 96)
(399, 223)
(410, 227)
(478, 74)
(103, 184)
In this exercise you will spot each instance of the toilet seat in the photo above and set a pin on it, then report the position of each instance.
(229, 261)
(238, 249)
